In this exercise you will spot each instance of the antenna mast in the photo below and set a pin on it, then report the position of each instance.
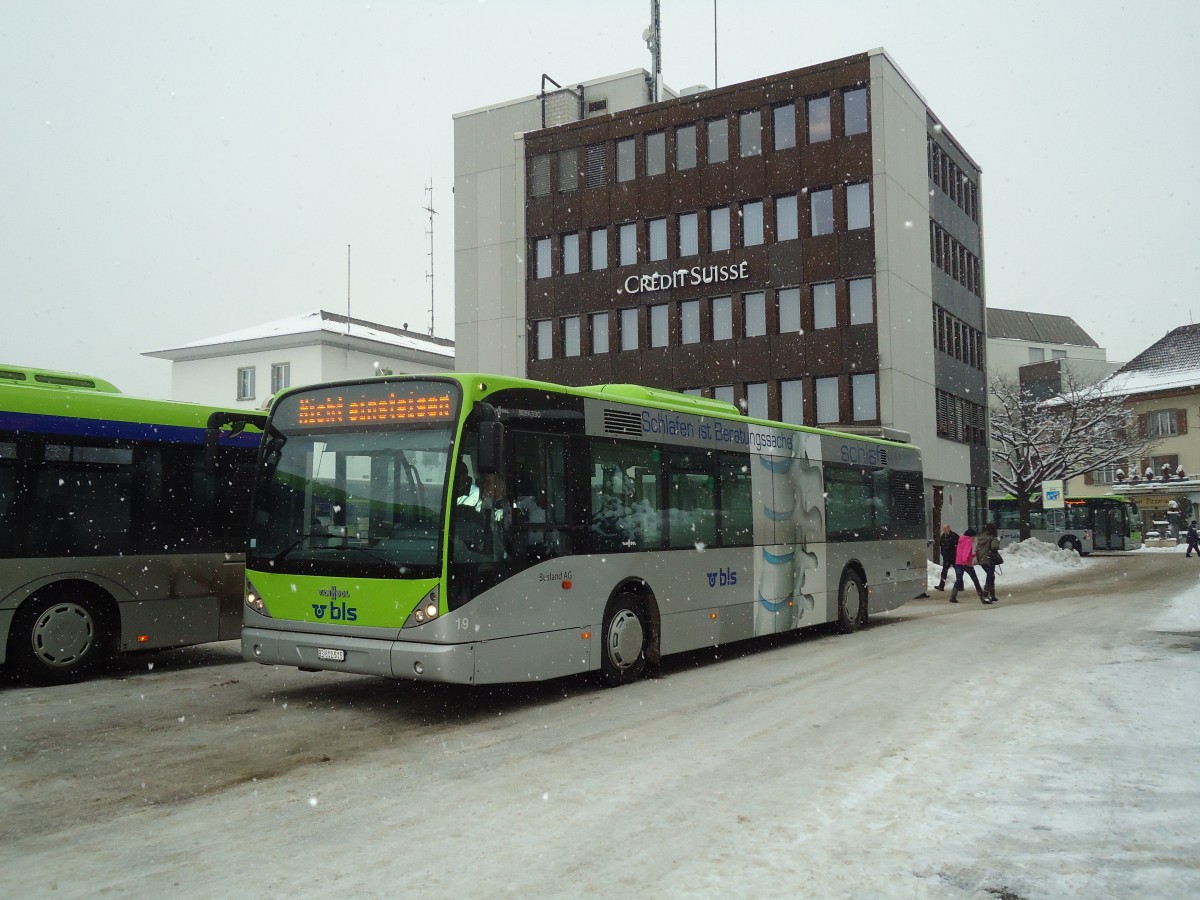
(653, 38)
(428, 207)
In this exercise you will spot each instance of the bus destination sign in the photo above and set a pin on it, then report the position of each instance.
(373, 407)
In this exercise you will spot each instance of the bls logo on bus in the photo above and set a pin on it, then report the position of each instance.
(722, 577)
(338, 612)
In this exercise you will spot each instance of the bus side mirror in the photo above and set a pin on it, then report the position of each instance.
(491, 447)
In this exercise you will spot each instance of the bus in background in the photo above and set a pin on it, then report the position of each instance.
(479, 529)
(1084, 524)
(122, 522)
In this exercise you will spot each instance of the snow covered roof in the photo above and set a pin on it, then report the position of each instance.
(318, 322)
(1042, 328)
(1170, 364)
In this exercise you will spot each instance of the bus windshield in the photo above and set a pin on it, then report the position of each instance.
(363, 502)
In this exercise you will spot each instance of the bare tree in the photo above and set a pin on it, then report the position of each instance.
(1034, 439)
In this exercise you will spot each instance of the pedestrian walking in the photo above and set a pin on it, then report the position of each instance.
(1193, 539)
(947, 548)
(987, 555)
(964, 564)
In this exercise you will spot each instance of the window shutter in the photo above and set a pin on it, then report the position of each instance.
(1181, 421)
(1143, 425)
(1089, 478)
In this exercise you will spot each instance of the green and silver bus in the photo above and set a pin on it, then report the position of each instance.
(1083, 524)
(480, 529)
(122, 522)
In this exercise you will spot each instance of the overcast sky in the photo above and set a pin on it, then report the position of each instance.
(170, 171)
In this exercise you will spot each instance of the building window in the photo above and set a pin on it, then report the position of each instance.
(718, 140)
(659, 329)
(722, 314)
(656, 153)
(756, 400)
(599, 242)
(281, 377)
(822, 211)
(750, 133)
(599, 323)
(1162, 423)
(827, 400)
(1058, 354)
(568, 170)
(685, 147)
(539, 176)
(791, 401)
(570, 253)
(755, 313)
(718, 228)
(1037, 354)
(689, 321)
(545, 339)
(689, 236)
(854, 106)
(858, 206)
(818, 120)
(752, 223)
(626, 160)
(571, 336)
(787, 223)
(789, 311)
(785, 126)
(245, 383)
(862, 389)
(862, 305)
(543, 258)
(629, 329)
(824, 306)
(723, 392)
(595, 164)
(658, 239)
(628, 236)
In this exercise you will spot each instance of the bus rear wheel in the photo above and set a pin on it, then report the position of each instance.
(625, 636)
(58, 636)
(852, 602)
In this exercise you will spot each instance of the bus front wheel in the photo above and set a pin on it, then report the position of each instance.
(1070, 543)
(852, 602)
(58, 636)
(626, 633)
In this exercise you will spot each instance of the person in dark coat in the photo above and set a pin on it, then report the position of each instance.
(1193, 539)
(987, 550)
(948, 546)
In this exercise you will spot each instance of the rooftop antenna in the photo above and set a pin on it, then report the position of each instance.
(653, 38)
(715, 82)
(428, 207)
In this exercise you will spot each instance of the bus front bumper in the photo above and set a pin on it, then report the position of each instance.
(362, 656)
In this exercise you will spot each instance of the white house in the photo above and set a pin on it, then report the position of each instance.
(247, 367)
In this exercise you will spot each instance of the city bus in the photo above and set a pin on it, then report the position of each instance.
(122, 522)
(1084, 524)
(481, 529)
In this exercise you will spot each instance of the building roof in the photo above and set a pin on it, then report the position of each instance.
(1171, 363)
(319, 322)
(1042, 328)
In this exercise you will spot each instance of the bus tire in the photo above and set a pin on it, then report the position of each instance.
(1070, 543)
(852, 602)
(625, 637)
(59, 635)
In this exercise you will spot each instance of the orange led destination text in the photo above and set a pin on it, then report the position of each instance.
(339, 410)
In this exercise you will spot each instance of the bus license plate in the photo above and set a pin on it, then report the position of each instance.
(331, 655)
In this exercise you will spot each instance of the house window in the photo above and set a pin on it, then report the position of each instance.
(862, 388)
(599, 242)
(750, 133)
(862, 306)
(689, 240)
(1058, 354)
(854, 106)
(281, 377)
(656, 153)
(628, 236)
(789, 312)
(685, 147)
(755, 315)
(785, 126)
(245, 383)
(658, 239)
(1162, 423)
(791, 401)
(858, 206)
(723, 392)
(752, 223)
(722, 313)
(570, 253)
(787, 227)
(626, 160)
(596, 162)
(659, 330)
(1037, 354)
(629, 329)
(818, 120)
(543, 339)
(756, 400)
(571, 336)
(539, 176)
(822, 211)
(827, 400)
(824, 305)
(599, 333)
(568, 170)
(718, 140)
(543, 258)
(689, 321)
(718, 228)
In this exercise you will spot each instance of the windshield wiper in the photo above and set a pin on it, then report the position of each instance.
(296, 543)
(376, 555)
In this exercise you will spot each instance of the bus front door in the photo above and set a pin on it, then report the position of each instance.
(1107, 530)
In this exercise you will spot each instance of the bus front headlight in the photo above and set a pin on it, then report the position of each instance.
(426, 611)
(254, 600)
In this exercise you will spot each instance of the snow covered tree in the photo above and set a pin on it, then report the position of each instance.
(1034, 439)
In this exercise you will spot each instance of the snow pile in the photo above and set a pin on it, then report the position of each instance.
(1024, 561)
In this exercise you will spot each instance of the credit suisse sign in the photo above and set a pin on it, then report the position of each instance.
(679, 278)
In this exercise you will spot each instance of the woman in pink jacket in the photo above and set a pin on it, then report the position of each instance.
(964, 561)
